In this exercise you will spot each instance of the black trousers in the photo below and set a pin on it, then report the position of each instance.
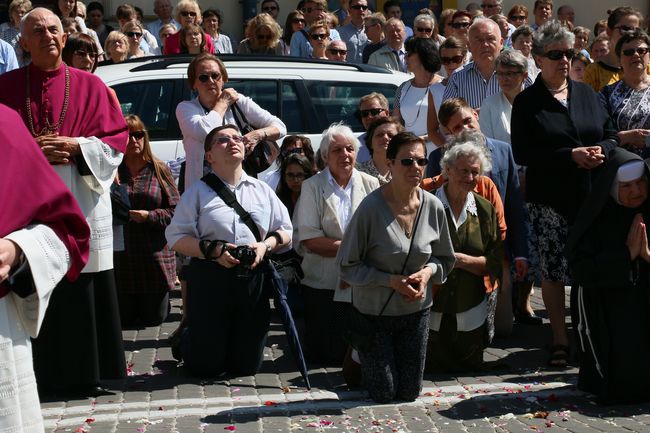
(324, 319)
(228, 319)
(143, 309)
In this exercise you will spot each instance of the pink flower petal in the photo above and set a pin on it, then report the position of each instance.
(230, 428)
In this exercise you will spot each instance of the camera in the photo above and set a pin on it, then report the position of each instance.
(246, 256)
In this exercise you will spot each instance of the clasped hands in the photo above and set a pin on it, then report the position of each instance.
(588, 157)
(413, 287)
(58, 149)
(637, 239)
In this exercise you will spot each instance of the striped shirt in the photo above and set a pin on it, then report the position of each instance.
(469, 84)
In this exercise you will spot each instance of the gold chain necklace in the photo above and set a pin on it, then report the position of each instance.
(49, 129)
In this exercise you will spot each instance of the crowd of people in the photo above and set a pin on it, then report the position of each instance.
(511, 157)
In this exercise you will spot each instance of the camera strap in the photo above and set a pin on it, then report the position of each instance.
(229, 198)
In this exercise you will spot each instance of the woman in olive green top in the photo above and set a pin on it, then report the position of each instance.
(458, 321)
(396, 245)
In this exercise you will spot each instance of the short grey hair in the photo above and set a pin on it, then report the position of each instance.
(550, 33)
(483, 20)
(23, 20)
(512, 59)
(470, 144)
(424, 17)
(335, 129)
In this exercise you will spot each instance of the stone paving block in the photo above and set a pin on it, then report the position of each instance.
(136, 396)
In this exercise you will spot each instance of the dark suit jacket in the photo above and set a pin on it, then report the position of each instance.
(545, 132)
(505, 176)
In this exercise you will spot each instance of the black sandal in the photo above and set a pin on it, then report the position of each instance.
(559, 356)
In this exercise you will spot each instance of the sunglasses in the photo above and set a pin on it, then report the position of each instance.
(450, 60)
(338, 52)
(295, 176)
(462, 25)
(133, 34)
(508, 74)
(188, 14)
(297, 150)
(485, 6)
(270, 8)
(372, 112)
(407, 162)
(424, 30)
(82, 53)
(641, 51)
(558, 54)
(297, 21)
(224, 139)
(136, 135)
(624, 28)
(319, 36)
(359, 7)
(310, 10)
(205, 77)
(264, 37)
(518, 17)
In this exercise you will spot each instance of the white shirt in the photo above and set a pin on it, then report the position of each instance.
(470, 207)
(342, 199)
(495, 116)
(203, 215)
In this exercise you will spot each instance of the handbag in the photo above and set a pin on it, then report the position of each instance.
(360, 329)
(265, 151)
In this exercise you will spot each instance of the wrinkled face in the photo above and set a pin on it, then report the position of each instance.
(410, 173)
(485, 42)
(577, 72)
(510, 79)
(188, 15)
(43, 38)
(136, 142)
(337, 51)
(543, 13)
(381, 138)
(423, 29)
(163, 9)
(451, 59)
(554, 70)
(524, 44)
(395, 34)
(463, 119)
(294, 176)
(634, 193)
(599, 50)
(371, 110)
(227, 145)
(373, 31)
(634, 56)
(83, 60)
(209, 81)
(464, 173)
(341, 156)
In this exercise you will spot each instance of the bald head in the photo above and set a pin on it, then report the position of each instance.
(485, 43)
(38, 12)
(42, 36)
(336, 50)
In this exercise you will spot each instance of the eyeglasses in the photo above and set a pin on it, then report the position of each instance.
(188, 14)
(264, 37)
(485, 6)
(295, 176)
(133, 34)
(641, 51)
(136, 135)
(508, 74)
(269, 8)
(518, 17)
(558, 54)
(82, 53)
(450, 60)
(461, 25)
(310, 10)
(225, 139)
(338, 52)
(359, 7)
(624, 28)
(205, 77)
(424, 30)
(296, 150)
(372, 112)
(407, 162)
(319, 36)
(297, 21)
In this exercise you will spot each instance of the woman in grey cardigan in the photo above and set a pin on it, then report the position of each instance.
(395, 247)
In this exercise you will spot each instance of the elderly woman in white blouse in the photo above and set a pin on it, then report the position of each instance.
(327, 202)
(511, 71)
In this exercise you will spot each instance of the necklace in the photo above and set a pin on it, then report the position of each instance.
(49, 129)
(559, 89)
(420, 103)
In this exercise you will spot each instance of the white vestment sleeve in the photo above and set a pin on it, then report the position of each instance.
(102, 160)
(49, 261)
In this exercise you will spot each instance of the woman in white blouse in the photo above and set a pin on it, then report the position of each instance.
(206, 74)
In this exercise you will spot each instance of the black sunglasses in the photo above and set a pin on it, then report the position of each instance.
(338, 52)
(205, 77)
(136, 135)
(407, 162)
(269, 8)
(188, 13)
(449, 60)
(319, 36)
(641, 51)
(359, 7)
(485, 6)
(264, 37)
(424, 29)
(558, 54)
(133, 34)
(462, 25)
(372, 112)
(624, 28)
(518, 17)
(298, 20)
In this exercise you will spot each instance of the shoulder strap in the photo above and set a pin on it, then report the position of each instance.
(229, 198)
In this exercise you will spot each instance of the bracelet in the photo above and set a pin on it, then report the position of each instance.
(276, 235)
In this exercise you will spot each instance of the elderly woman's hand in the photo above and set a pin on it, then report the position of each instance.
(588, 157)
(635, 137)
(400, 284)
(228, 97)
(419, 281)
(9, 254)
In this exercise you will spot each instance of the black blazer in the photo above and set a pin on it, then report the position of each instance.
(544, 133)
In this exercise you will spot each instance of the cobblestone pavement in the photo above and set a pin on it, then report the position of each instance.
(517, 395)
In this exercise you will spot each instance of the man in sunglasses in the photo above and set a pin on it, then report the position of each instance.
(313, 10)
(336, 51)
(608, 69)
(353, 33)
(271, 7)
(79, 127)
(371, 107)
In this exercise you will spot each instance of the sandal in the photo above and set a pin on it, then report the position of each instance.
(559, 356)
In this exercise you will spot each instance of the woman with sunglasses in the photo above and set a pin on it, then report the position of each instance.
(145, 270)
(460, 22)
(187, 12)
(628, 101)
(518, 15)
(263, 37)
(397, 245)
(291, 145)
(133, 31)
(453, 56)
(557, 125)
(295, 23)
(319, 38)
(425, 26)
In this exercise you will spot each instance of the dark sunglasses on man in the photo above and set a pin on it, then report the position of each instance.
(372, 112)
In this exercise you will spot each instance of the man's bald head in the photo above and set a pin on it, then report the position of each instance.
(42, 36)
(485, 42)
(38, 12)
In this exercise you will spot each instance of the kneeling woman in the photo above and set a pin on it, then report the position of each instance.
(459, 314)
(609, 256)
(396, 245)
(229, 315)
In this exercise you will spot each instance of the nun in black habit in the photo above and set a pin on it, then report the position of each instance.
(609, 256)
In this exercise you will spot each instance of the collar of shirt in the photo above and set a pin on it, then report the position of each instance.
(470, 207)
(348, 188)
(245, 178)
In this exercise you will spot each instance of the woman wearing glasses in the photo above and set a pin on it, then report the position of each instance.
(559, 125)
(187, 12)
(425, 26)
(291, 145)
(518, 15)
(80, 51)
(453, 56)
(133, 31)
(628, 101)
(460, 22)
(401, 222)
(319, 38)
(295, 23)
(263, 37)
(145, 271)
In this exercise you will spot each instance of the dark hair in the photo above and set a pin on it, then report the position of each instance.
(542, 2)
(453, 43)
(283, 191)
(450, 107)
(73, 12)
(213, 13)
(524, 30)
(207, 144)
(125, 12)
(138, 11)
(426, 50)
(92, 6)
(402, 139)
(619, 13)
(389, 4)
(183, 34)
(288, 28)
(200, 58)
(461, 13)
(370, 133)
(67, 21)
(79, 41)
(634, 35)
(307, 148)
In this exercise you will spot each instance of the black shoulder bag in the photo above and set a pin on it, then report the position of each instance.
(265, 151)
(360, 330)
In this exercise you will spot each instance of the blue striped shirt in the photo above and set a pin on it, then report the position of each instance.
(469, 84)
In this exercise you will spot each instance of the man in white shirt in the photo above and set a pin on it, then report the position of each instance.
(163, 10)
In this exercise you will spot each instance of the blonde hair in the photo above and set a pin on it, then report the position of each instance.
(263, 21)
(188, 4)
(111, 39)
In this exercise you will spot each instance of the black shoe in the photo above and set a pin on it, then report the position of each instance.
(527, 318)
